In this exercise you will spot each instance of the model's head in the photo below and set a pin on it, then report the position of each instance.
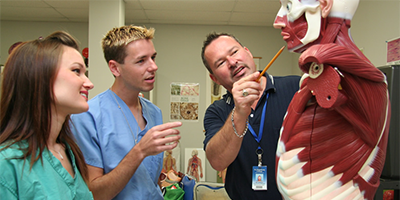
(115, 42)
(195, 152)
(344, 9)
(303, 21)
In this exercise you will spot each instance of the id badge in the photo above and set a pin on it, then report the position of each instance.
(259, 178)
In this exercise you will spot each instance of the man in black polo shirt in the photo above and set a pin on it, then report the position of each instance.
(233, 138)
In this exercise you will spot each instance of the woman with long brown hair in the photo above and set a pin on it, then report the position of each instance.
(43, 83)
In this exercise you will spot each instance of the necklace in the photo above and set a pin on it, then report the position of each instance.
(62, 157)
(135, 137)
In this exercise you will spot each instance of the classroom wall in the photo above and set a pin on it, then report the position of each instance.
(373, 24)
(15, 31)
(179, 48)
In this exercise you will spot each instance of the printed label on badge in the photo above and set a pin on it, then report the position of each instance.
(259, 178)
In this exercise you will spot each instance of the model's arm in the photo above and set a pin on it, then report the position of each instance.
(201, 169)
(189, 165)
(165, 167)
(107, 186)
(174, 164)
(224, 146)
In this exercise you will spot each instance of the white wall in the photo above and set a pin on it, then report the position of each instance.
(373, 24)
(179, 48)
(15, 31)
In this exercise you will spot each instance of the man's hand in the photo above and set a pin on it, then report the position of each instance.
(252, 87)
(159, 138)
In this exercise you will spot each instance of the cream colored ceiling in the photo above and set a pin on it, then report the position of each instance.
(204, 12)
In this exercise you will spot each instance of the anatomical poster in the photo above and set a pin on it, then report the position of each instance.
(185, 101)
(195, 159)
(393, 51)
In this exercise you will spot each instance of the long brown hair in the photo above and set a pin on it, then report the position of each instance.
(27, 96)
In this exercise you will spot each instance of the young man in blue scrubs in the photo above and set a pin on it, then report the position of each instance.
(122, 136)
(242, 129)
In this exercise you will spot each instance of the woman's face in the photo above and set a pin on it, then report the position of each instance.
(71, 85)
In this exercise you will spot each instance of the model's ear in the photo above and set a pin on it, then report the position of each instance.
(114, 67)
(326, 6)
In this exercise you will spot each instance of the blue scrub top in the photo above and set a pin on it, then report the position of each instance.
(105, 138)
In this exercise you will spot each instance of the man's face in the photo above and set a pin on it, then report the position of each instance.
(139, 68)
(229, 61)
(300, 22)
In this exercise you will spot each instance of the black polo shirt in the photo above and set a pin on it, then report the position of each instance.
(238, 182)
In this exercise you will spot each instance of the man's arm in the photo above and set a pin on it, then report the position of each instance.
(224, 146)
(107, 186)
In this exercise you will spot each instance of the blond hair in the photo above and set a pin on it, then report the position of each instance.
(115, 42)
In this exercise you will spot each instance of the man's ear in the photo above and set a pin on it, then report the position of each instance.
(248, 51)
(214, 79)
(114, 67)
(326, 6)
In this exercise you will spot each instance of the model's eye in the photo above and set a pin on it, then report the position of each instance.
(289, 6)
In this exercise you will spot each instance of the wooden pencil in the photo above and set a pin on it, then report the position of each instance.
(270, 63)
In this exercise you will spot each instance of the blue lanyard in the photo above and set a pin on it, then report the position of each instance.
(258, 138)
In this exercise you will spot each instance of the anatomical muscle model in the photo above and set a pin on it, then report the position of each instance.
(334, 135)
